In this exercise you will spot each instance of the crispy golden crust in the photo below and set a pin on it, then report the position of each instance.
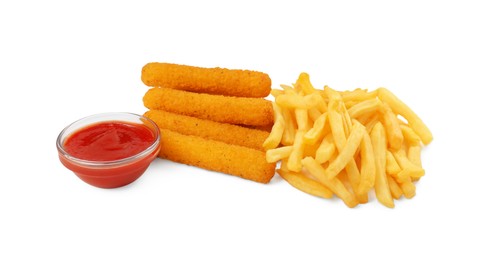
(239, 83)
(227, 133)
(217, 156)
(231, 110)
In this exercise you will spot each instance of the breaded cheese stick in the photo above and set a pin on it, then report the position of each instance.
(231, 110)
(227, 133)
(217, 156)
(219, 81)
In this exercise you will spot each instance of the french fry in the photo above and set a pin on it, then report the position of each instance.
(276, 92)
(273, 140)
(368, 167)
(408, 168)
(294, 162)
(302, 119)
(291, 101)
(314, 134)
(288, 89)
(326, 150)
(392, 167)
(336, 124)
(290, 128)
(305, 184)
(395, 189)
(358, 95)
(402, 109)
(409, 135)
(378, 139)
(392, 126)
(304, 83)
(372, 121)
(408, 188)
(277, 154)
(367, 107)
(347, 152)
(314, 114)
(413, 155)
(335, 185)
(347, 121)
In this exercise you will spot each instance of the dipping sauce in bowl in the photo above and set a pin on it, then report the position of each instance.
(109, 150)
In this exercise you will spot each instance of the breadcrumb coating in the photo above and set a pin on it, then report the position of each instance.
(217, 156)
(231, 110)
(219, 81)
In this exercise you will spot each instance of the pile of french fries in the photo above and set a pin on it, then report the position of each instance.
(346, 143)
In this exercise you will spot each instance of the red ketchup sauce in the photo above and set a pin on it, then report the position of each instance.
(103, 145)
(108, 141)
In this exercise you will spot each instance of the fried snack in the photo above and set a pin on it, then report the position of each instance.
(402, 109)
(231, 134)
(231, 110)
(217, 156)
(305, 184)
(219, 81)
(355, 137)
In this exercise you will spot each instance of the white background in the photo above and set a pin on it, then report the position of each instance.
(61, 61)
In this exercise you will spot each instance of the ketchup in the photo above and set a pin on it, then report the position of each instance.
(108, 141)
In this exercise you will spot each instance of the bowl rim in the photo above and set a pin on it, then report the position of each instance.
(111, 163)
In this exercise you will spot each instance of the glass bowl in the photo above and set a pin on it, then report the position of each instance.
(109, 173)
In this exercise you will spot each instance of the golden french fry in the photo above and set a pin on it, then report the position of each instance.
(347, 121)
(314, 134)
(301, 119)
(347, 153)
(409, 135)
(294, 162)
(392, 127)
(277, 154)
(395, 189)
(290, 128)
(276, 92)
(367, 107)
(358, 95)
(288, 89)
(321, 104)
(305, 184)
(372, 122)
(304, 83)
(368, 167)
(408, 168)
(392, 167)
(273, 140)
(378, 139)
(291, 101)
(315, 100)
(408, 188)
(326, 150)
(335, 185)
(275, 136)
(336, 124)
(413, 155)
(313, 114)
(402, 109)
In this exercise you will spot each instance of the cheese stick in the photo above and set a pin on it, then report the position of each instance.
(219, 81)
(231, 110)
(231, 134)
(217, 156)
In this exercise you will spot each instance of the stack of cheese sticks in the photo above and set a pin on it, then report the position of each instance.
(213, 118)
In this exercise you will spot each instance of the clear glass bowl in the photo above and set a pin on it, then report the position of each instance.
(109, 174)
